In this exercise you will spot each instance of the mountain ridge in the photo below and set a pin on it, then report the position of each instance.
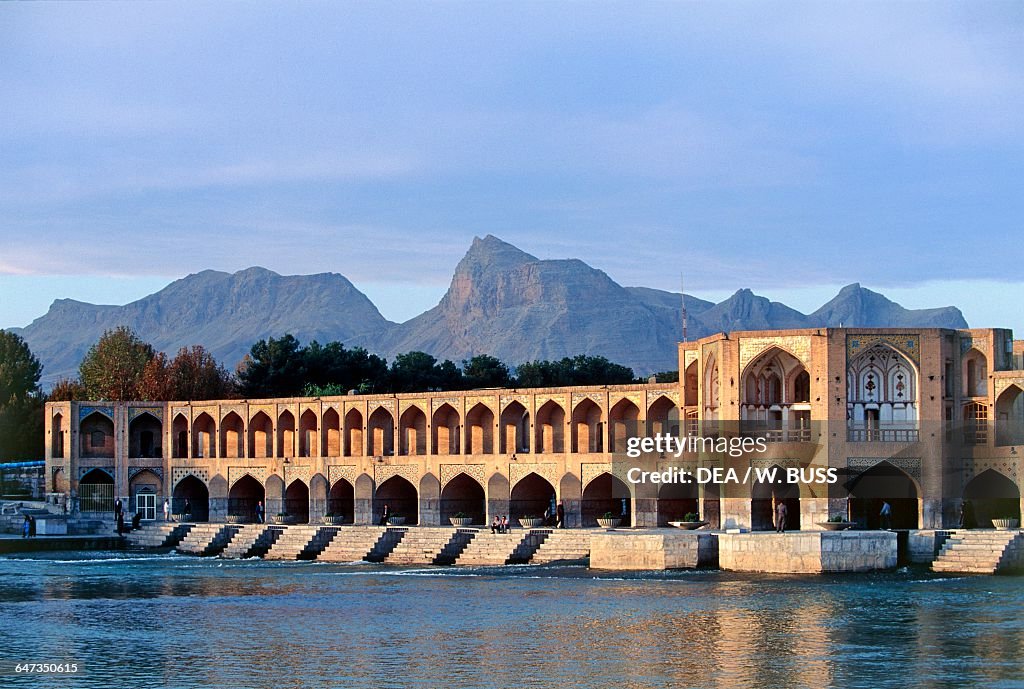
(501, 301)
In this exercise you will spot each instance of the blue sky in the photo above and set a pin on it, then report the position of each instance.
(789, 148)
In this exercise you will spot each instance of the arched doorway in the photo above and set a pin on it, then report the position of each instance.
(550, 428)
(97, 436)
(144, 433)
(96, 492)
(261, 436)
(675, 501)
(992, 496)
(244, 496)
(532, 496)
(144, 490)
(463, 495)
(766, 495)
(232, 436)
(480, 430)
(341, 501)
(606, 493)
(882, 483)
(400, 497)
(514, 429)
(296, 501)
(195, 492)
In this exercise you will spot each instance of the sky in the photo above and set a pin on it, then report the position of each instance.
(790, 148)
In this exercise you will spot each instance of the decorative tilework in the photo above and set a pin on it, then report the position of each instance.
(136, 412)
(382, 472)
(590, 471)
(517, 471)
(910, 465)
(337, 472)
(82, 471)
(179, 473)
(85, 411)
(753, 347)
(135, 471)
(450, 471)
(259, 473)
(909, 345)
(292, 472)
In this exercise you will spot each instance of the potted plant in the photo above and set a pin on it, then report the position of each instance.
(531, 521)
(836, 522)
(1005, 523)
(608, 520)
(333, 519)
(690, 521)
(396, 519)
(460, 519)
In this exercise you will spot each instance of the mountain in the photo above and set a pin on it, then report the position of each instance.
(855, 305)
(226, 313)
(504, 302)
(501, 301)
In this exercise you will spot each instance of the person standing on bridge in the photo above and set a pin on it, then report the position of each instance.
(560, 515)
(886, 515)
(384, 516)
(167, 510)
(781, 511)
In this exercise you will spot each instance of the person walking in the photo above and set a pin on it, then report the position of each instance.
(886, 515)
(384, 517)
(167, 510)
(118, 508)
(560, 515)
(259, 512)
(781, 512)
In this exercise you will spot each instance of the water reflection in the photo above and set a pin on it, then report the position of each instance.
(179, 621)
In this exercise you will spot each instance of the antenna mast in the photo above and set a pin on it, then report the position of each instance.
(682, 301)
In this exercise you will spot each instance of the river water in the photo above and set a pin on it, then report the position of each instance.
(134, 620)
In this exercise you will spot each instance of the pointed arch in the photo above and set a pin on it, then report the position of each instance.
(765, 497)
(463, 494)
(412, 431)
(480, 430)
(232, 436)
(550, 428)
(514, 429)
(663, 417)
(261, 436)
(975, 373)
(145, 432)
(991, 495)
(331, 434)
(179, 436)
(532, 496)
(446, 430)
(341, 501)
(191, 499)
(286, 434)
(354, 446)
(882, 395)
(309, 434)
(97, 436)
(1009, 416)
(401, 498)
(606, 493)
(587, 427)
(624, 417)
(243, 497)
(296, 501)
(204, 433)
(381, 429)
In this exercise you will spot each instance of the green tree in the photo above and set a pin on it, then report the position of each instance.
(485, 371)
(420, 372)
(577, 370)
(21, 403)
(331, 365)
(273, 368)
(113, 367)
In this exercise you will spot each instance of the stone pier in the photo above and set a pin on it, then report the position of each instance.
(653, 549)
(808, 552)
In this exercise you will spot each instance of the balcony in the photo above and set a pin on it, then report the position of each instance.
(860, 433)
(775, 432)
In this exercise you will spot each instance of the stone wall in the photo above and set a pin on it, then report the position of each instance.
(796, 552)
(662, 549)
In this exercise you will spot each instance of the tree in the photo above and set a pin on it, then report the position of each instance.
(577, 370)
(21, 403)
(273, 368)
(113, 367)
(420, 372)
(331, 365)
(486, 371)
(67, 390)
(195, 375)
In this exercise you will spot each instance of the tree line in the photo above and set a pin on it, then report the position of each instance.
(120, 366)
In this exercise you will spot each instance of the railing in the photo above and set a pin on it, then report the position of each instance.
(774, 433)
(882, 435)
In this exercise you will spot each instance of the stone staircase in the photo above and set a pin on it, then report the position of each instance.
(252, 540)
(982, 552)
(563, 545)
(293, 541)
(323, 538)
(502, 548)
(425, 545)
(357, 543)
(161, 535)
(208, 539)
